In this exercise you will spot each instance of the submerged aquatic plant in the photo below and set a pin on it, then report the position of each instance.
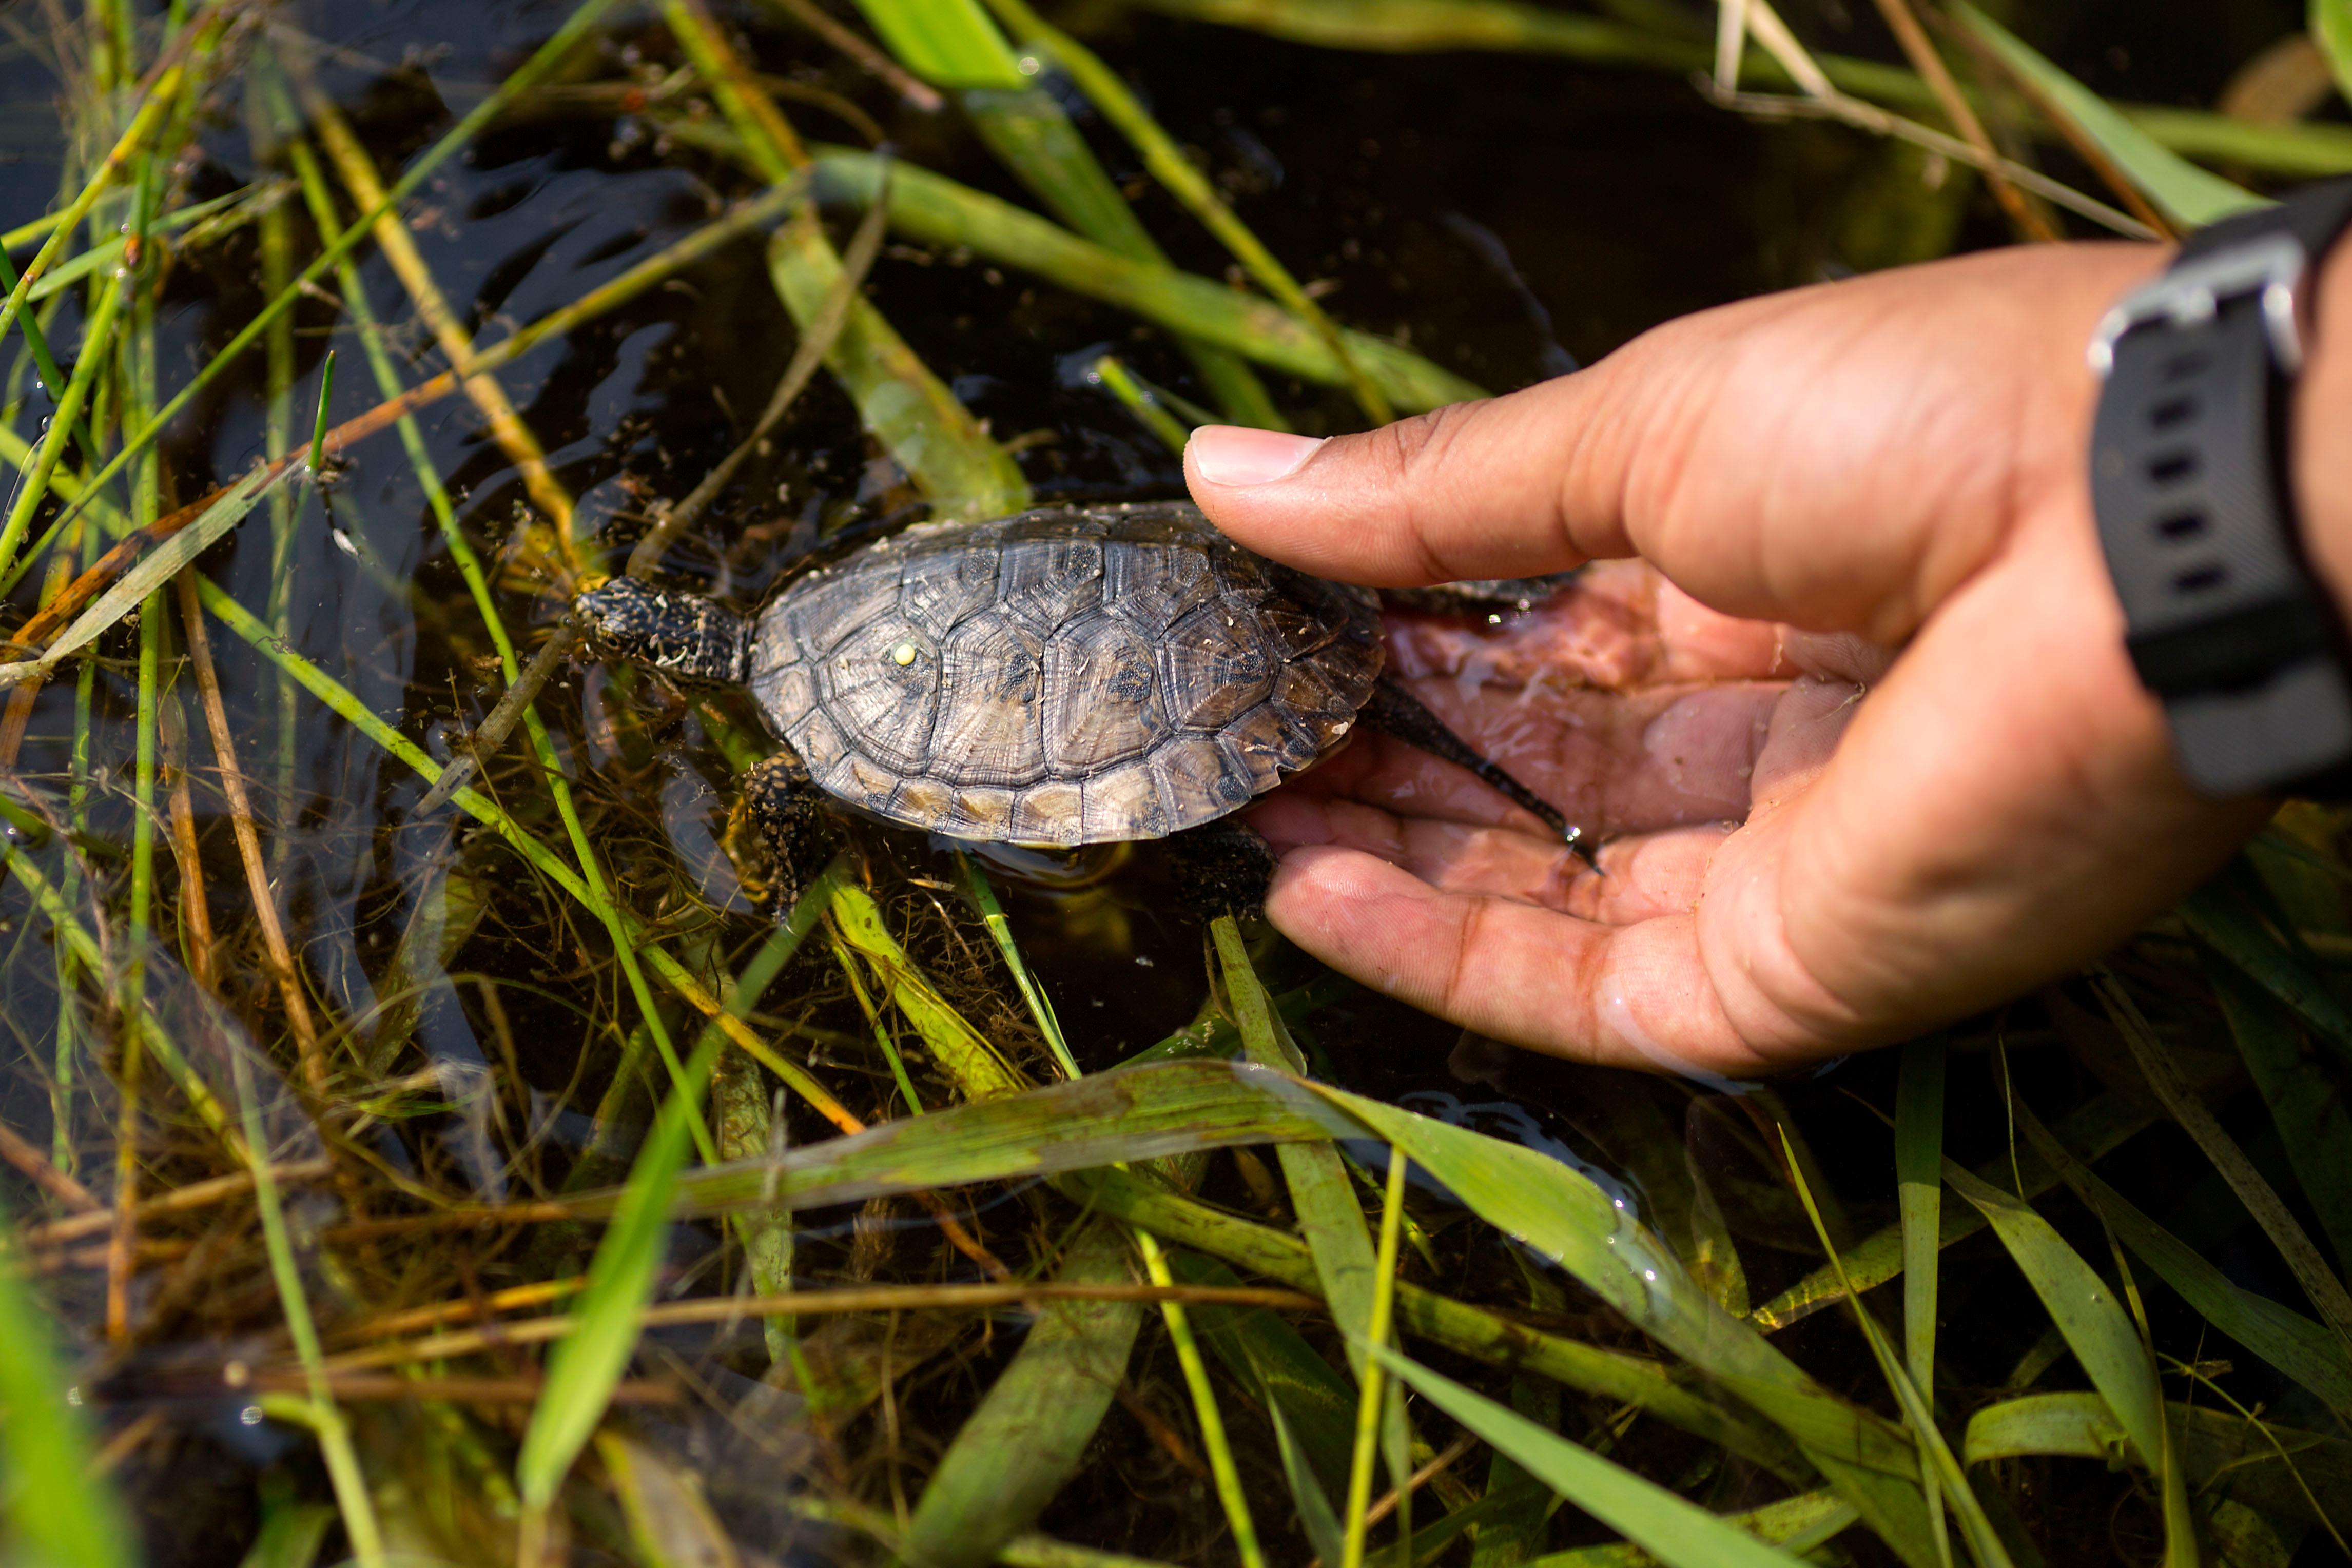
(446, 1109)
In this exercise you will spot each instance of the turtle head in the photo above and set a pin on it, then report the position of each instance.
(684, 635)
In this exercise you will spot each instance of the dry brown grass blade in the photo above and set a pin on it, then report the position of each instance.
(1904, 23)
(807, 358)
(122, 1242)
(491, 736)
(437, 1315)
(875, 1299)
(2081, 143)
(514, 437)
(917, 94)
(36, 1168)
(195, 908)
(248, 837)
(185, 1199)
(110, 567)
(21, 698)
(399, 1388)
(708, 45)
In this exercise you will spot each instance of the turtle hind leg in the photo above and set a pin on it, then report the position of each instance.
(795, 824)
(1221, 868)
(1399, 713)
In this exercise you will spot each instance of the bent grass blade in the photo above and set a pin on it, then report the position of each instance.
(2186, 193)
(1014, 1453)
(1678, 1532)
(936, 210)
(2097, 1329)
(2304, 1350)
(1565, 1217)
(2096, 1129)
(2310, 1116)
(1913, 1398)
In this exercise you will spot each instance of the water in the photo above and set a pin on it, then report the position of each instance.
(1506, 217)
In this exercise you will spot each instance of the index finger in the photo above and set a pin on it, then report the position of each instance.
(1840, 457)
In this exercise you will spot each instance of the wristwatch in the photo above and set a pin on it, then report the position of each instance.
(2196, 506)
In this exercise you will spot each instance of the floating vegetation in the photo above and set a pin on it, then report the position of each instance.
(425, 1143)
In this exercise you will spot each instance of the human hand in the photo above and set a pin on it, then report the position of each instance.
(1886, 639)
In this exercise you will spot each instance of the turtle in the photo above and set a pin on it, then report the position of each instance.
(1066, 675)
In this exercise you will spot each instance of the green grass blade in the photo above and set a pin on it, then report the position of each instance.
(1469, 1330)
(1918, 1172)
(1322, 1194)
(2084, 1306)
(2304, 1105)
(2096, 1129)
(1910, 1396)
(1142, 1113)
(2077, 1423)
(70, 401)
(2304, 1350)
(1275, 1364)
(1320, 1525)
(1517, 1509)
(155, 569)
(960, 1049)
(1796, 1524)
(1029, 1436)
(948, 43)
(1370, 1406)
(1113, 375)
(1919, 1189)
(907, 408)
(587, 1363)
(290, 1536)
(61, 1513)
(1564, 1217)
(2331, 26)
(2187, 193)
(1178, 175)
(936, 210)
(1222, 1469)
(1032, 135)
(1678, 1533)
(352, 1500)
(2157, 1065)
(992, 914)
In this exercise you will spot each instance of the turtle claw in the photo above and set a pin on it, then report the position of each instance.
(1221, 868)
(794, 827)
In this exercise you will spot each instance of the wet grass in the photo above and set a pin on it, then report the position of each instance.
(422, 1144)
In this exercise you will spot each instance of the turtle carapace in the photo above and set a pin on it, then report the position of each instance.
(1060, 677)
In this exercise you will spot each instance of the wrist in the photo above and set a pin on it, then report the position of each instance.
(2319, 454)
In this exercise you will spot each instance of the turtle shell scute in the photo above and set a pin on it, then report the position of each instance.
(1064, 676)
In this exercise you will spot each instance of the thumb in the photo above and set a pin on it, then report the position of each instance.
(1472, 490)
(1840, 457)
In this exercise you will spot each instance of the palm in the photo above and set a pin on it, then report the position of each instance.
(1792, 867)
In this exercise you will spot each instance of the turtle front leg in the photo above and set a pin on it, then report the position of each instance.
(1221, 868)
(794, 826)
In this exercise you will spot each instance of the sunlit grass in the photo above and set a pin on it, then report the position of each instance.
(260, 1164)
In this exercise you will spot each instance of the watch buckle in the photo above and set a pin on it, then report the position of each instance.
(2270, 268)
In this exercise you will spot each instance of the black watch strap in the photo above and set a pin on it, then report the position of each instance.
(2196, 512)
